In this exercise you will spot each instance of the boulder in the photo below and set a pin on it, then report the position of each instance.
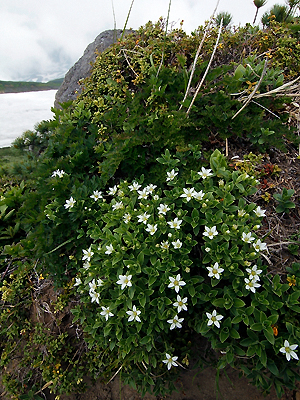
(70, 88)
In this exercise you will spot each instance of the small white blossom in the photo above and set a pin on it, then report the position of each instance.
(118, 205)
(180, 304)
(120, 193)
(170, 361)
(93, 285)
(207, 249)
(254, 273)
(156, 197)
(126, 218)
(134, 314)
(77, 282)
(171, 175)
(177, 244)
(94, 296)
(260, 246)
(70, 203)
(251, 284)
(288, 350)
(96, 195)
(205, 173)
(175, 224)
(241, 213)
(134, 186)
(143, 218)
(99, 282)
(143, 194)
(198, 195)
(112, 191)
(87, 254)
(176, 283)
(214, 318)
(210, 232)
(124, 280)
(215, 271)
(163, 209)
(109, 249)
(106, 312)
(59, 173)
(86, 265)
(188, 193)
(247, 237)
(151, 229)
(175, 322)
(150, 188)
(259, 212)
(165, 245)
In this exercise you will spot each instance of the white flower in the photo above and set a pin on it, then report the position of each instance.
(70, 203)
(207, 249)
(78, 282)
(124, 280)
(205, 173)
(254, 273)
(143, 194)
(93, 285)
(163, 209)
(171, 175)
(134, 314)
(215, 271)
(177, 244)
(188, 193)
(156, 197)
(86, 265)
(241, 213)
(59, 173)
(150, 188)
(94, 296)
(96, 195)
(175, 224)
(170, 361)
(198, 195)
(210, 232)
(259, 246)
(87, 254)
(134, 186)
(259, 212)
(251, 284)
(106, 312)
(112, 191)
(99, 282)
(288, 350)
(176, 283)
(214, 318)
(118, 205)
(165, 245)
(180, 304)
(247, 237)
(109, 249)
(151, 229)
(143, 218)
(126, 218)
(175, 322)
(120, 193)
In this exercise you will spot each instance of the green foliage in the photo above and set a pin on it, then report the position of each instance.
(285, 204)
(78, 221)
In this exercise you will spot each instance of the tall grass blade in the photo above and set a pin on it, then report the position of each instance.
(115, 23)
(127, 18)
(166, 31)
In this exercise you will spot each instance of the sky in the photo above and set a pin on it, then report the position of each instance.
(41, 39)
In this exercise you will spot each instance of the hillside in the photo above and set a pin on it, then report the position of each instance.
(17, 87)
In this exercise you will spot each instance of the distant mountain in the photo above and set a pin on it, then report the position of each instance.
(17, 87)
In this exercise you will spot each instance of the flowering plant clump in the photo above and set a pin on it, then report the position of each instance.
(181, 258)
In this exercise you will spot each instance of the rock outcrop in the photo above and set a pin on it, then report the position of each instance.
(70, 88)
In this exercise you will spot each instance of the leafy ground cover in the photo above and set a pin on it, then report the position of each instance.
(155, 226)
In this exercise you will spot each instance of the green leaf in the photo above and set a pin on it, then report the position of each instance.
(238, 303)
(192, 291)
(263, 358)
(268, 332)
(219, 302)
(224, 334)
(234, 333)
(256, 327)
